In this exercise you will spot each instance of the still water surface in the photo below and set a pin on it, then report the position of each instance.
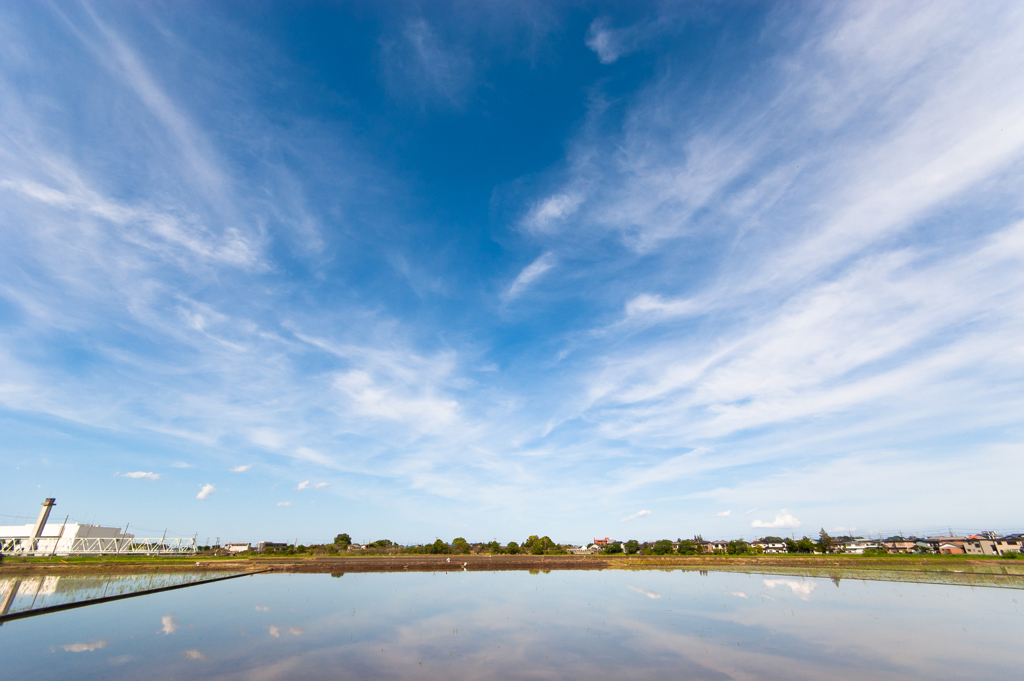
(512, 625)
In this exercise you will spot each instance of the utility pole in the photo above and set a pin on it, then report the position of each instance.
(59, 535)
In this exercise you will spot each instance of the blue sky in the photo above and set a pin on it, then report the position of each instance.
(415, 270)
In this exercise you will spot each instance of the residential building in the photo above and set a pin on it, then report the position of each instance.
(1011, 543)
(237, 547)
(899, 546)
(979, 545)
(264, 545)
(859, 546)
(770, 547)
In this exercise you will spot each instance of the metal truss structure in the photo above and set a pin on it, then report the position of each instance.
(99, 546)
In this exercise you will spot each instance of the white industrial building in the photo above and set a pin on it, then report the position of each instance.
(70, 538)
(59, 538)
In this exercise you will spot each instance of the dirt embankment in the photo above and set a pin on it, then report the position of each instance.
(473, 563)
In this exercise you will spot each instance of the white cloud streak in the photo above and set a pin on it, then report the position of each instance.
(206, 491)
(635, 516)
(530, 274)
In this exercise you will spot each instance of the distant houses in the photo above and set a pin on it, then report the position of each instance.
(984, 544)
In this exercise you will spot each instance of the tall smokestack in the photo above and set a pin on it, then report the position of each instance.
(40, 523)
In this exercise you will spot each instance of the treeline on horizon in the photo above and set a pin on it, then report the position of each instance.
(537, 545)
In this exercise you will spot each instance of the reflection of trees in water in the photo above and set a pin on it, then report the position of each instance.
(31, 592)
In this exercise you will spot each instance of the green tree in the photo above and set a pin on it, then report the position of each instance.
(805, 545)
(688, 547)
(613, 547)
(438, 547)
(827, 543)
(736, 547)
(661, 547)
(460, 545)
(791, 546)
(342, 540)
(632, 546)
(513, 548)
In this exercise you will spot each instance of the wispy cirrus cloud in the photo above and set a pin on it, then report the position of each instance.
(530, 274)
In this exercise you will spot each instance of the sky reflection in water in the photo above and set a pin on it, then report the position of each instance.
(611, 624)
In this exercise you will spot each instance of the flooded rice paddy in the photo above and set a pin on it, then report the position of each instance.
(517, 625)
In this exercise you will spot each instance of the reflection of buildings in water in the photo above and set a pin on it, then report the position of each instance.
(25, 588)
(20, 594)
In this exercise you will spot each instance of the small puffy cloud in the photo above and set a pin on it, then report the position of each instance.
(782, 519)
(181, 464)
(284, 503)
(84, 647)
(206, 491)
(274, 631)
(530, 273)
(296, 631)
(639, 514)
(142, 475)
(723, 514)
(240, 469)
(193, 655)
(169, 624)
(321, 485)
(303, 485)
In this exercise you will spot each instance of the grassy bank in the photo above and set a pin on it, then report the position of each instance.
(823, 564)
